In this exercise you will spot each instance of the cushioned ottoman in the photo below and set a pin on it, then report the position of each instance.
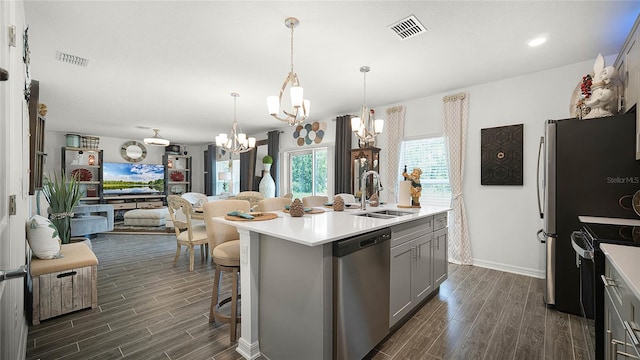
(140, 217)
(63, 285)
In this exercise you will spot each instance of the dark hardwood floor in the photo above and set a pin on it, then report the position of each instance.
(148, 309)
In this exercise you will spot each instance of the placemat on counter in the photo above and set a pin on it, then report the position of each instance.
(257, 216)
(312, 211)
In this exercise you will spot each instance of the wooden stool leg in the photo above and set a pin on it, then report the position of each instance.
(175, 259)
(191, 257)
(234, 307)
(214, 294)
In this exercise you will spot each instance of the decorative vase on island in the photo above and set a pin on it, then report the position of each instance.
(267, 185)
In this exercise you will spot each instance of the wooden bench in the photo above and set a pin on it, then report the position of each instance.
(64, 285)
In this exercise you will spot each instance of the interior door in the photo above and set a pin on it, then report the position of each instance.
(13, 160)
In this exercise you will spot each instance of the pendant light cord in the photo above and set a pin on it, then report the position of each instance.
(364, 95)
(291, 25)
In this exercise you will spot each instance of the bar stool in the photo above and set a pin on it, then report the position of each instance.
(224, 242)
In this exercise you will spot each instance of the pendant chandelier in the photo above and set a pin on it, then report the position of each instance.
(300, 106)
(235, 142)
(156, 139)
(366, 127)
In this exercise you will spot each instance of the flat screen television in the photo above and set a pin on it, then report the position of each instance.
(130, 178)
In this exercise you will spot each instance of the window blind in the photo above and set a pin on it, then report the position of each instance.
(428, 154)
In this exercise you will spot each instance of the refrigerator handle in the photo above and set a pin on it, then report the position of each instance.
(540, 148)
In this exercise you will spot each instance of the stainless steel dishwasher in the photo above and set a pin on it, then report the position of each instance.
(360, 293)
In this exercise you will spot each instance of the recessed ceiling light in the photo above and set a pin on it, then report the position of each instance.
(537, 41)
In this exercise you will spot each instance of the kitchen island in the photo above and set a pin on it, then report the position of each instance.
(287, 275)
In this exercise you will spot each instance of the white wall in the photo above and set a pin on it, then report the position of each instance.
(503, 220)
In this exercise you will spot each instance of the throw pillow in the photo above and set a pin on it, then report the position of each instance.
(43, 238)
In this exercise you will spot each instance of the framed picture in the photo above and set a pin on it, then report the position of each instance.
(501, 155)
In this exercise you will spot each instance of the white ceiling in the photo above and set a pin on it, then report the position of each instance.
(173, 64)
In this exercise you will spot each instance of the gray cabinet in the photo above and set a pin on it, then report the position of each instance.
(401, 299)
(411, 279)
(621, 316)
(418, 264)
(440, 257)
(422, 279)
(440, 253)
(628, 66)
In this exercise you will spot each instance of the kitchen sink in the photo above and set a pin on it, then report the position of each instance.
(375, 215)
(394, 212)
(384, 214)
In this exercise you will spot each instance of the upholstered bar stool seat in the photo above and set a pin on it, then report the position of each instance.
(225, 241)
(226, 256)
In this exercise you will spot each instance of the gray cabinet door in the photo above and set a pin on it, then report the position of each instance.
(422, 279)
(401, 297)
(614, 330)
(440, 261)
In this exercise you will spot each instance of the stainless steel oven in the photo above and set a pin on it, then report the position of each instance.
(590, 261)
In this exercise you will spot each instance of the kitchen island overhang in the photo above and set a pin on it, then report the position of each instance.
(287, 278)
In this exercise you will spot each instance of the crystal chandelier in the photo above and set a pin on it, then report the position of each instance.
(236, 142)
(300, 106)
(366, 127)
(156, 139)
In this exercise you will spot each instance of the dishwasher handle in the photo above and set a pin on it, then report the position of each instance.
(350, 245)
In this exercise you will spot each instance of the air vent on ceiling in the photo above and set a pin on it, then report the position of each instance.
(408, 28)
(71, 59)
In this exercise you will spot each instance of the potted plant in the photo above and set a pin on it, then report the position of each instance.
(63, 196)
(267, 161)
(267, 186)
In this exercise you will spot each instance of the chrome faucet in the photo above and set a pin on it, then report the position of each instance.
(363, 187)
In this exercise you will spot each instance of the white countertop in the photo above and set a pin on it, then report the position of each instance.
(610, 221)
(318, 229)
(626, 260)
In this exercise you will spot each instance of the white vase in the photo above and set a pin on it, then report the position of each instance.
(267, 185)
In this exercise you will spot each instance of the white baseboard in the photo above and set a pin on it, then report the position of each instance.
(509, 268)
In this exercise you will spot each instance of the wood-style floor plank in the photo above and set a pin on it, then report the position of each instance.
(148, 309)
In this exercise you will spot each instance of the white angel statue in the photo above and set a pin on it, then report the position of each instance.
(604, 91)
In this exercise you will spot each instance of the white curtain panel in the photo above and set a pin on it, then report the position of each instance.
(456, 114)
(394, 129)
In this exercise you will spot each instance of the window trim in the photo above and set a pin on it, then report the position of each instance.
(285, 174)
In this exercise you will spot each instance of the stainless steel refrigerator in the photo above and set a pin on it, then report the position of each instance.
(585, 167)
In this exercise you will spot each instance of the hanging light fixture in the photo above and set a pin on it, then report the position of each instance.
(366, 127)
(235, 142)
(300, 106)
(156, 139)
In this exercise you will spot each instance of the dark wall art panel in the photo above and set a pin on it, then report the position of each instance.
(501, 155)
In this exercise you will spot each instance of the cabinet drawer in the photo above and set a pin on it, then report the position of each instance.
(439, 221)
(411, 230)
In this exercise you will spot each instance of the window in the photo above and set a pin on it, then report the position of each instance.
(430, 156)
(307, 172)
(231, 167)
